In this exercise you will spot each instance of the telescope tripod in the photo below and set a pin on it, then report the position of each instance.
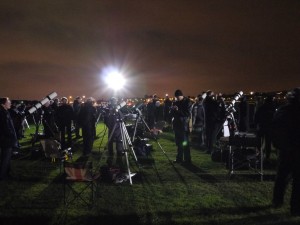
(126, 143)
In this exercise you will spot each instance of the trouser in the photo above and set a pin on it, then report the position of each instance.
(287, 166)
(5, 162)
(77, 127)
(265, 139)
(63, 130)
(183, 146)
(88, 139)
(211, 135)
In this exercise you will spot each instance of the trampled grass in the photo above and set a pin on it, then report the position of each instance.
(162, 192)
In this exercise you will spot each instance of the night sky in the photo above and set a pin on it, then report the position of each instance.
(159, 46)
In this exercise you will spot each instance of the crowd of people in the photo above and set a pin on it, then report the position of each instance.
(204, 117)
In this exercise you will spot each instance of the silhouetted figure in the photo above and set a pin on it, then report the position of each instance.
(64, 116)
(263, 120)
(286, 138)
(17, 115)
(8, 138)
(49, 120)
(151, 112)
(112, 119)
(76, 109)
(212, 120)
(87, 119)
(198, 119)
(181, 113)
(221, 114)
(243, 123)
(166, 110)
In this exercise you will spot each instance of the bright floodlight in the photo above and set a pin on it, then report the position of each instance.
(115, 80)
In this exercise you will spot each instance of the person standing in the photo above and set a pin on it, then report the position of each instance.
(211, 120)
(8, 137)
(48, 121)
(64, 119)
(243, 123)
(166, 109)
(198, 119)
(286, 138)
(263, 120)
(87, 120)
(151, 112)
(112, 120)
(181, 113)
(76, 109)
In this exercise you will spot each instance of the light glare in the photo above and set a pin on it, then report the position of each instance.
(115, 80)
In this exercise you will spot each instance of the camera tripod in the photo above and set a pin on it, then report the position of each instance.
(126, 142)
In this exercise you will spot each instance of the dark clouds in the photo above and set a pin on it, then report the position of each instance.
(161, 45)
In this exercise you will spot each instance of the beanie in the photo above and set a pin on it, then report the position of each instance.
(178, 93)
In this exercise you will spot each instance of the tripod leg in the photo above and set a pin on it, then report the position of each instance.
(127, 138)
(36, 133)
(128, 168)
(135, 128)
(125, 147)
(146, 125)
(105, 129)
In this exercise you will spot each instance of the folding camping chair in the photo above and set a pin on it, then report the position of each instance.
(80, 180)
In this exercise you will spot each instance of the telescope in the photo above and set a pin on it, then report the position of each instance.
(42, 102)
(120, 105)
(230, 107)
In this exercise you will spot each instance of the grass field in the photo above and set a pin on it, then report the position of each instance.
(162, 192)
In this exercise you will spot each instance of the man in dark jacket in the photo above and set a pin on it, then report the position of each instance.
(49, 120)
(8, 137)
(87, 120)
(76, 109)
(243, 122)
(181, 113)
(286, 138)
(151, 112)
(263, 120)
(198, 118)
(112, 120)
(212, 120)
(64, 115)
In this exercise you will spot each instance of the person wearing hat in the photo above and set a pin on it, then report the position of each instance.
(181, 113)
(286, 138)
